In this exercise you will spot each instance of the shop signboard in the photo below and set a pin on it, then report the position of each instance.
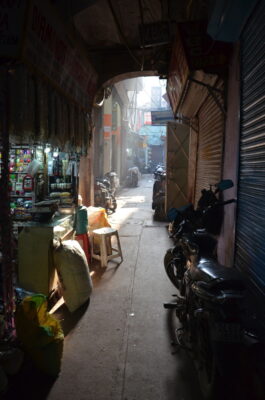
(161, 117)
(12, 17)
(51, 51)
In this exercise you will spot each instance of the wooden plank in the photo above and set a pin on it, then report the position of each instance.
(178, 137)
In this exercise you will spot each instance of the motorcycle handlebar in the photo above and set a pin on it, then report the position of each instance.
(219, 204)
(223, 203)
(196, 216)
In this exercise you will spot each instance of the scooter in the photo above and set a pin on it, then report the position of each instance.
(132, 177)
(159, 194)
(114, 182)
(103, 196)
(211, 301)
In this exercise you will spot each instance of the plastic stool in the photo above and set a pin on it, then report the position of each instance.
(83, 240)
(104, 236)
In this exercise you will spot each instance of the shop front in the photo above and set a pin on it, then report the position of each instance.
(249, 240)
(196, 87)
(47, 90)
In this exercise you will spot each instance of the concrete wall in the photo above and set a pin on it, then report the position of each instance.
(107, 127)
(86, 178)
(118, 142)
(98, 144)
(231, 154)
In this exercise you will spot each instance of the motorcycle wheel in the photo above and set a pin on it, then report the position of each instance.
(114, 204)
(172, 271)
(208, 375)
(216, 385)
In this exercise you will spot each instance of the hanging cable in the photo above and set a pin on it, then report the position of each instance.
(122, 36)
(142, 36)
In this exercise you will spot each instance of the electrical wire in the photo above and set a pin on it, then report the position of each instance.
(153, 19)
(142, 38)
(122, 36)
(150, 98)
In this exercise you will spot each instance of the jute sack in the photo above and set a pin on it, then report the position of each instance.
(72, 268)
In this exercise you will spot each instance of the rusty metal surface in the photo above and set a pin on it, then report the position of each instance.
(178, 137)
(210, 144)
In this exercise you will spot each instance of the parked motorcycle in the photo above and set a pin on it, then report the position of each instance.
(132, 177)
(159, 193)
(158, 170)
(211, 302)
(103, 194)
(114, 182)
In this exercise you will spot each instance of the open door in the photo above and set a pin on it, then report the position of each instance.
(178, 137)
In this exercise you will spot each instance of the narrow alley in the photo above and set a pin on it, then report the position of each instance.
(120, 347)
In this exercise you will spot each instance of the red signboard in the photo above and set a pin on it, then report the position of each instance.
(52, 52)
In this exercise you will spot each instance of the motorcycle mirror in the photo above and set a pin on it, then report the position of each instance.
(224, 185)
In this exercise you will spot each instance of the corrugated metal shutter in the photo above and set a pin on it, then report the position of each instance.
(250, 233)
(210, 143)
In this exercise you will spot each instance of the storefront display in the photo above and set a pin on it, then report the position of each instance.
(42, 191)
(63, 179)
(38, 175)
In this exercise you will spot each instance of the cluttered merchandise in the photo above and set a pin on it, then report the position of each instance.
(51, 262)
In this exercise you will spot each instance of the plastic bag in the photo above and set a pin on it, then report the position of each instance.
(40, 333)
(74, 278)
(33, 167)
(97, 218)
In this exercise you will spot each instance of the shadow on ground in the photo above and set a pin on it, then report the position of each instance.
(69, 320)
(30, 383)
(185, 370)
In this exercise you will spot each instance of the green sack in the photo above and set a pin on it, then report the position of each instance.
(40, 333)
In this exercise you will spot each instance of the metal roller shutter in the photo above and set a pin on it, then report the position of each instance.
(210, 143)
(250, 233)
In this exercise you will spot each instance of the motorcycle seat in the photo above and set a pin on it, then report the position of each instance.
(185, 208)
(217, 276)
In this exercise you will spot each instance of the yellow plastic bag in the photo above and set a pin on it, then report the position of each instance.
(97, 218)
(40, 333)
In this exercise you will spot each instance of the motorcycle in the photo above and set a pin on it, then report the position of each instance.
(211, 304)
(159, 194)
(159, 169)
(132, 177)
(114, 182)
(104, 194)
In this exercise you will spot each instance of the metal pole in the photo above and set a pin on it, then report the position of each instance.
(7, 272)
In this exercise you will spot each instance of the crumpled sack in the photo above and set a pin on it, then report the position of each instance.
(73, 272)
(40, 333)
